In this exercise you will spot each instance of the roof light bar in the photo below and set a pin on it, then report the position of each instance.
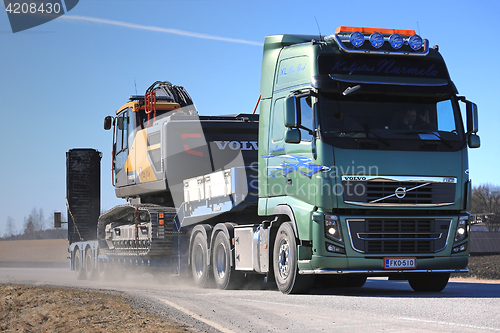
(399, 41)
(141, 98)
(402, 32)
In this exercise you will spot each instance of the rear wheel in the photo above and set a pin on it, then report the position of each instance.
(225, 275)
(288, 279)
(90, 271)
(79, 269)
(431, 282)
(105, 272)
(199, 261)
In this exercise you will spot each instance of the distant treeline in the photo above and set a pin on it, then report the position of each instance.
(39, 234)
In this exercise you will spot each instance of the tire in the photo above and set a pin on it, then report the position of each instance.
(430, 282)
(199, 266)
(285, 259)
(90, 271)
(225, 276)
(331, 281)
(79, 269)
(355, 281)
(104, 271)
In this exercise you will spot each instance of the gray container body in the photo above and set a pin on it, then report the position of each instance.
(83, 193)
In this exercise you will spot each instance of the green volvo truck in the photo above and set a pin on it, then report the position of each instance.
(363, 150)
(356, 167)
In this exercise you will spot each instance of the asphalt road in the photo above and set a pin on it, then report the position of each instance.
(381, 305)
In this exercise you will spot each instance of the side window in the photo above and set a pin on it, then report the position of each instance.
(307, 119)
(121, 137)
(445, 116)
(278, 120)
(119, 133)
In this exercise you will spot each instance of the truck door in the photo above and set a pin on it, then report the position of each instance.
(276, 172)
(291, 165)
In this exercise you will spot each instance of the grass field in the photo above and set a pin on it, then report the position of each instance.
(43, 250)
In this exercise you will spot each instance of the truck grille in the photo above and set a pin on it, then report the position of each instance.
(389, 236)
(399, 191)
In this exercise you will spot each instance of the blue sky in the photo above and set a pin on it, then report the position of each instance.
(59, 80)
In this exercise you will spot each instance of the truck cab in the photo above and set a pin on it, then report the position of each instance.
(362, 148)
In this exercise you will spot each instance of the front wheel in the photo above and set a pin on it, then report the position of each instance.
(285, 259)
(430, 282)
(224, 274)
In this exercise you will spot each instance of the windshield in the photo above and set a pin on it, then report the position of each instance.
(391, 119)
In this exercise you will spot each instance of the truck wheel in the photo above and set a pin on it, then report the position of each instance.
(356, 281)
(285, 259)
(225, 275)
(103, 271)
(431, 282)
(199, 266)
(90, 271)
(332, 281)
(79, 269)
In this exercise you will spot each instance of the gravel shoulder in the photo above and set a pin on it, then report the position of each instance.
(49, 309)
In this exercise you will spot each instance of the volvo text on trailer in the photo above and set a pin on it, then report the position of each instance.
(356, 166)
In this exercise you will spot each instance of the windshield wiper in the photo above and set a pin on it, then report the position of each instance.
(367, 131)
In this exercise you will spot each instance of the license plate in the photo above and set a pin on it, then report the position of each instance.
(400, 263)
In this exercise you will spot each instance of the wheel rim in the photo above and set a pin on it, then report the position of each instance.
(198, 260)
(77, 262)
(220, 257)
(283, 262)
(88, 264)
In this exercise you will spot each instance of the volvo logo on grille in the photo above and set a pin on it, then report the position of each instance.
(400, 192)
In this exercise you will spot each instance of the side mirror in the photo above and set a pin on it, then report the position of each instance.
(291, 108)
(472, 120)
(108, 122)
(473, 141)
(292, 135)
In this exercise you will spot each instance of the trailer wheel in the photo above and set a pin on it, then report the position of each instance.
(90, 271)
(103, 270)
(285, 266)
(225, 276)
(199, 265)
(430, 282)
(79, 269)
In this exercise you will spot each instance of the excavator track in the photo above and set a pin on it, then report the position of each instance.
(138, 230)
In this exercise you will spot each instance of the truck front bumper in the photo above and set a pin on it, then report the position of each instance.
(375, 266)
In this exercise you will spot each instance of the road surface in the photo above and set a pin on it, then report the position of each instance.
(381, 305)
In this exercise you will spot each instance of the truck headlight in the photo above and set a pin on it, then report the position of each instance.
(332, 228)
(462, 228)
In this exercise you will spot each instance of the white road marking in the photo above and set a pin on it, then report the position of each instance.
(197, 317)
